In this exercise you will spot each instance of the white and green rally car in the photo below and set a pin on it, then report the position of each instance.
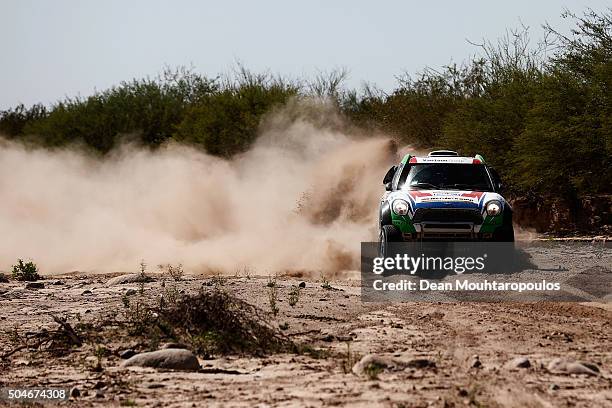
(444, 197)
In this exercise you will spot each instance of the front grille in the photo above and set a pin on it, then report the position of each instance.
(447, 235)
(441, 225)
(447, 215)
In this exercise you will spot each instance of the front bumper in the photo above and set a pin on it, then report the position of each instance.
(446, 230)
(449, 224)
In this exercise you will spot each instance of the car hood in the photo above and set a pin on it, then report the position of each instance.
(449, 199)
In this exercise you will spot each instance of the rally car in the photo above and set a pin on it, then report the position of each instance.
(444, 197)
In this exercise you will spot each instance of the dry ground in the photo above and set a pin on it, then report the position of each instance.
(335, 329)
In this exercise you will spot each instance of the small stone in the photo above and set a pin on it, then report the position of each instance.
(519, 362)
(302, 285)
(74, 392)
(155, 385)
(462, 392)
(553, 387)
(328, 338)
(379, 361)
(476, 363)
(35, 285)
(130, 292)
(125, 354)
(58, 283)
(86, 292)
(99, 394)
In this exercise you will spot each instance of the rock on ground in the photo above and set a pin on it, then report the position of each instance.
(129, 278)
(375, 360)
(559, 365)
(389, 364)
(519, 362)
(173, 359)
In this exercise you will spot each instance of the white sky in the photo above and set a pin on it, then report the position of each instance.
(57, 48)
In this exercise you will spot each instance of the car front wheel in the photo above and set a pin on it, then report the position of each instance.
(388, 233)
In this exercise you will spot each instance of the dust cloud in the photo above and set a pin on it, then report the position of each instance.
(301, 199)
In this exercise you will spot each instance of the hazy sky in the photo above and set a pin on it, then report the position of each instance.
(56, 48)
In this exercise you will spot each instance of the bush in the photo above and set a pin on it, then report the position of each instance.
(216, 322)
(27, 271)
(227, 122)
(145, 111)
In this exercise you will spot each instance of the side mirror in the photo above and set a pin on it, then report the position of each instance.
(389, 176)
(388, 187)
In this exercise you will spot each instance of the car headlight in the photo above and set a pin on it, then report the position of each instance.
(494, 208)
(400, 207)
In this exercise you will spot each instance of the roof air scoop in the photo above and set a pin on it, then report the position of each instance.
(442, 153)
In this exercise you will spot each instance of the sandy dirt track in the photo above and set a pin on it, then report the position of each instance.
(339, 329)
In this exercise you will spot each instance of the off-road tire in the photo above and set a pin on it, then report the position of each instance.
(388, 233)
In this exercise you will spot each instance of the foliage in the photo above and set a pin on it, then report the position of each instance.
(226, 122)
(215, 322)
(172, 271)
(25, 271)
(294, 295)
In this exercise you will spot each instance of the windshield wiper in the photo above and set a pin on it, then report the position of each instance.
(426, 185)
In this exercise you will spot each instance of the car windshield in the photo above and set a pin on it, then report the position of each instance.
(447, 176)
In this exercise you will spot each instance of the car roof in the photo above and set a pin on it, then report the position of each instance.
(443, 156)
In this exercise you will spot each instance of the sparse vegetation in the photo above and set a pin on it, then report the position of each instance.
(25, 271)
(170, 294)
(273, 298)
(143, 277)
(349, 359)
(137, 314)
(271, 282)
(243, 271)
(172, 271)
(325, 283)
(372, 370)
(217, 279)
(216, 322)
(294, 295)
(211, 321)
(58, 341)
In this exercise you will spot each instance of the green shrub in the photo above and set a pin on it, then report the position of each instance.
(227, 122)
(27, 271)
